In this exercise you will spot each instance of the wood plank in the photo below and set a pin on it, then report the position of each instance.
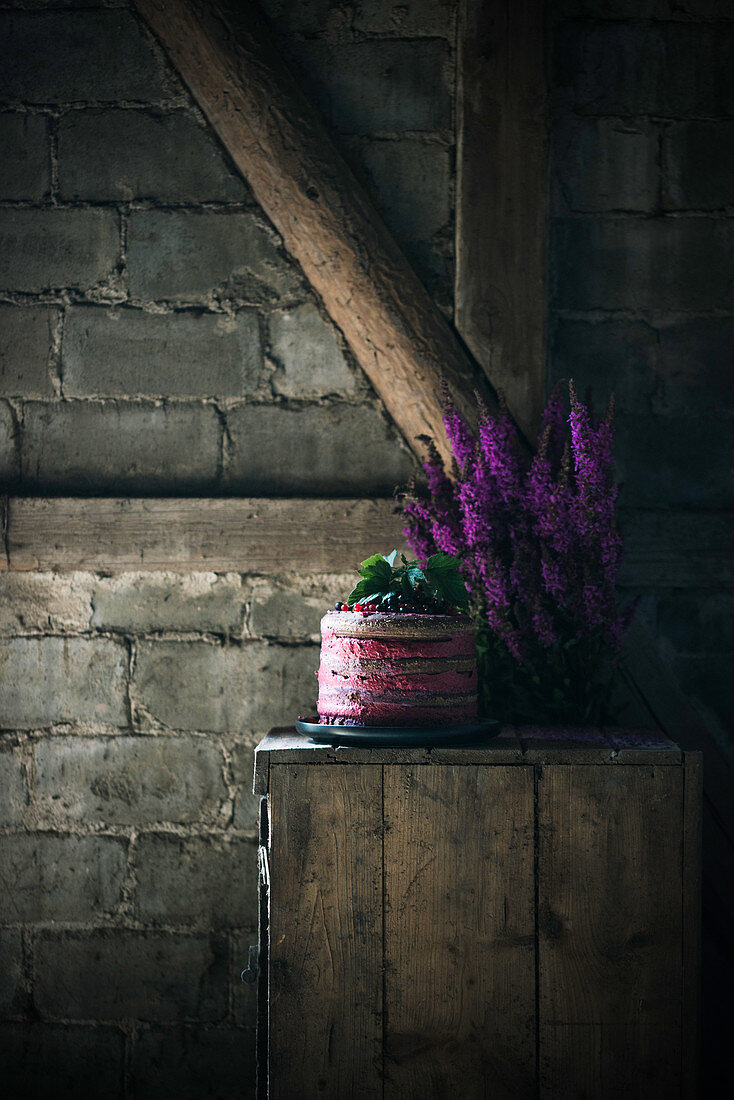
(502, 197)
(610, 931)
(276, 139)
(690, 1051)
(252, 535)
(459, 932)
(326, 932)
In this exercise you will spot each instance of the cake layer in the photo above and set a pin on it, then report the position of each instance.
(397, 669)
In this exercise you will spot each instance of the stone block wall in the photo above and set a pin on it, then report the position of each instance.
(155, 339)
(641, 270)
(127, 826)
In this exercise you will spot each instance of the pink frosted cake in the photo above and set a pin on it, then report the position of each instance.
(397, 669)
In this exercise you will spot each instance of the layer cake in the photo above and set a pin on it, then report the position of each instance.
(397, 669)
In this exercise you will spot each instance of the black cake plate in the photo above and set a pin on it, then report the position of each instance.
(471, 733)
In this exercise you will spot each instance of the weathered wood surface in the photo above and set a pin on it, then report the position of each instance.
(325, 963)
(459, 932)
(502, 197)
(497, 903)
(522, 745)
(273, 534)
(610, 931)
(256, 535)
(692, 854)
(276, 139)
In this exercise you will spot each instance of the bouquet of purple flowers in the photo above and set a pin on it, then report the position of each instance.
(540, 550)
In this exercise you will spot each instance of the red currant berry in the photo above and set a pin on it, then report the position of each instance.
(358, 607)
(345, 607)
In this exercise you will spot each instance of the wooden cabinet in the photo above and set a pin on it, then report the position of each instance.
(519, 920)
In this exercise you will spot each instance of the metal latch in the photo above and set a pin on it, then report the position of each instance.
(263, 866)
(250, 974)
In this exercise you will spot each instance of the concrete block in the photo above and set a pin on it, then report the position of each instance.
(139, 603)
(669, 69)
(25, 343)
(191, 256)
(293, 608)
(209, 882)
(62, 57)
(129, 352)
(11, 971)
(249, 687)
(51, 248)
(9, 453)
(128, 780)
(708, 683)
(47, 680)
(120, 448)
(698, 165)
(123, 154)
(434, 18)
(675, 461)
(51, 603)
(370, 87)
(633, 263)
(410, 182)
(246, 804)
(340, 449)
(116, 975)
(13, 787)
(195, 1063)
(695, 367)
(613, 357)
(604, 164)
(697, 622)
(61, 878)
(327, 19)
(25, 166)
(309, 355)
(47, 1062)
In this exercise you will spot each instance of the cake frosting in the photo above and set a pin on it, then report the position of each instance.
(397, 669)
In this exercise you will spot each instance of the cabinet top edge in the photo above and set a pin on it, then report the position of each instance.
(515, 745)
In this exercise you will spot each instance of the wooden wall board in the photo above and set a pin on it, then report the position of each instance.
(610, 931)
(325, 959)
(502, 197)
(459, 932)
(183, 534)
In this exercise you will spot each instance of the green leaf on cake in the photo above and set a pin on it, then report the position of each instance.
(380, 577)
(443, 576)
(376, 569)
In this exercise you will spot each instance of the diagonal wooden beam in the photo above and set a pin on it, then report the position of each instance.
(277, 140)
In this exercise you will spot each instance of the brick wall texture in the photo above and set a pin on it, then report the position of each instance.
(156, 338)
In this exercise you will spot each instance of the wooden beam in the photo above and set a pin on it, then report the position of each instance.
(502, 197)
(269, 535)
(224, 54)
(184, 535)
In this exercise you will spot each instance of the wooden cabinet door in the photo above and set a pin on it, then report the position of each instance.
(325, 959)
(459, 1008)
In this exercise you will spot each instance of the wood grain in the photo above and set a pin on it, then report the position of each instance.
(183, 534)
(502, 197)
(610, 931)
(325, 1032)
(224, 54)
(459, 932)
